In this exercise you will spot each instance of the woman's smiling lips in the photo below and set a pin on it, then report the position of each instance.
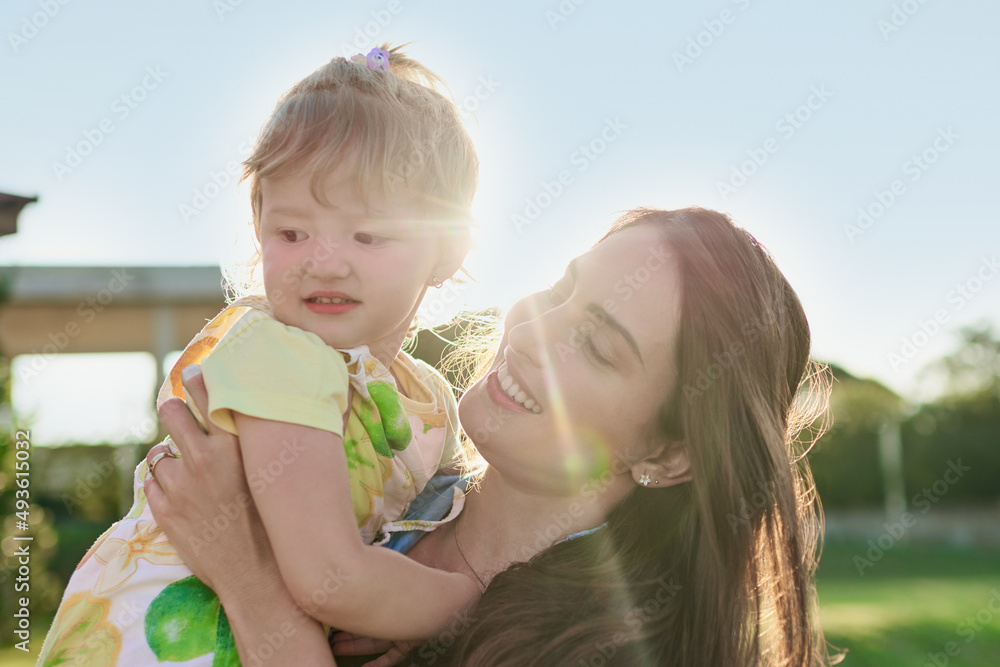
(330, 303)
(507, 392)
(497, 394)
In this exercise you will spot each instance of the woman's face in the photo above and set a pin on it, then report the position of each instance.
(593, 362)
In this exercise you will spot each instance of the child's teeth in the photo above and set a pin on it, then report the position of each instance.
(506, 383)
(520, 396)
(502, 374)
(513, 389)
(536, 409)
(530, 403)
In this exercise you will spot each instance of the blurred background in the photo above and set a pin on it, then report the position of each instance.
(856, 140)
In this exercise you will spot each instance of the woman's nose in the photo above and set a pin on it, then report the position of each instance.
(532, 330)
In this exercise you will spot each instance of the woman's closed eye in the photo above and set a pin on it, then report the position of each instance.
(557, 294)
(594, 342)
(587, 335)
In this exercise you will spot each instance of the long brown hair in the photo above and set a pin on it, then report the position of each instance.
(715, 572)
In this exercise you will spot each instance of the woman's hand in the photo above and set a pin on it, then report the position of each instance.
(393, 653)
(202, 502)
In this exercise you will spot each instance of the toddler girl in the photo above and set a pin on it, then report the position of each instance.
(360, 187)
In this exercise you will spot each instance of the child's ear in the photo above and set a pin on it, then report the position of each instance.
(452, 255)
(668, 465)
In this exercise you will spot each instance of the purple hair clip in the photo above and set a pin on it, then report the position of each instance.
(377, 59)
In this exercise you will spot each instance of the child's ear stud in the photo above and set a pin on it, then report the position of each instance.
(436, 282)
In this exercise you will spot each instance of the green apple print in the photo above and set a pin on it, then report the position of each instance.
(397, 426)
(384, 419)
(185, 621)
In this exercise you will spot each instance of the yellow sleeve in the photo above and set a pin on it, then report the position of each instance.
(265, 369)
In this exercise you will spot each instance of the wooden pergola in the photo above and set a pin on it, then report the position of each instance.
(10, 208)
(79, 309)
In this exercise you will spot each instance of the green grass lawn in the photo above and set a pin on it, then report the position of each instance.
(912, 606)
(914, 601)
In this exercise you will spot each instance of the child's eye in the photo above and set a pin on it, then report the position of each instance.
(291, 235)
(366, 238)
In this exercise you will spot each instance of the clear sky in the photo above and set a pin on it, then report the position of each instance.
(122, 117)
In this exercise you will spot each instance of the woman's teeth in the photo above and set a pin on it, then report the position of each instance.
(514, 391)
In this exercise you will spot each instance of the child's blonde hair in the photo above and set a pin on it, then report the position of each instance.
(396, 131)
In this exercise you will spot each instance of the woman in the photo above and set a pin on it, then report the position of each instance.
(652, 423)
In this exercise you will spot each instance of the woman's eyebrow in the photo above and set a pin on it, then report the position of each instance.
(603, 315)
(606, 317)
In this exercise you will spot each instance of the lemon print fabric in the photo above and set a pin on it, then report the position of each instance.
(82, 634)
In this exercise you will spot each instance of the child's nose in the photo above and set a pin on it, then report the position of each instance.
(328, 258)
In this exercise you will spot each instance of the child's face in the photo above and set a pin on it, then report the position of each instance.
(347, 272)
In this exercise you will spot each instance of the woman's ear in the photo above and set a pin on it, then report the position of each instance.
(669, 465)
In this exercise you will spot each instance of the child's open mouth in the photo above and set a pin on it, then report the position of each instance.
(331, 304)
(324, 299)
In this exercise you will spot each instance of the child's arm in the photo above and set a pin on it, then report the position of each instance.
(298, 478)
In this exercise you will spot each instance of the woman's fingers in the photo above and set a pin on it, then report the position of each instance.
(180, 424)
(194, 385)
(158, 452)
(393, 657)
(344, 643)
